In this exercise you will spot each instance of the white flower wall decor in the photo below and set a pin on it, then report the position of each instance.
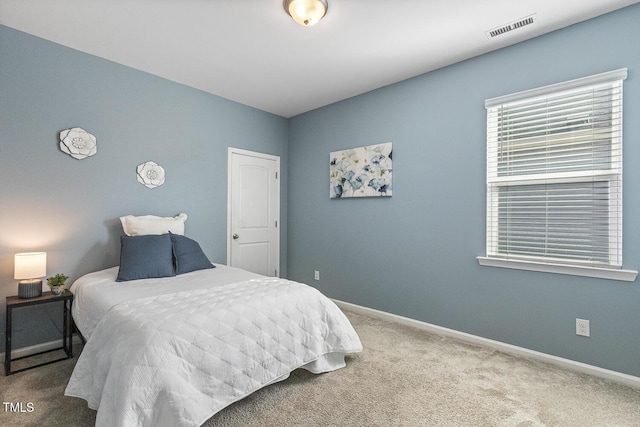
(78, 143)
(150, 174)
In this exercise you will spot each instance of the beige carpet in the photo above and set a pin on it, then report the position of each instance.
(405, 377)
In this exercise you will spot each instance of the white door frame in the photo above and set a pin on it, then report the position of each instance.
(230, 152)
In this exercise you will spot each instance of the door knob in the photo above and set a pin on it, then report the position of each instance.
(236, 237)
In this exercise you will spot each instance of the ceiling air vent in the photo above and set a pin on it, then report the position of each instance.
(511, 26)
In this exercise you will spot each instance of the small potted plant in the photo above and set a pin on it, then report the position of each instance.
(56, 283)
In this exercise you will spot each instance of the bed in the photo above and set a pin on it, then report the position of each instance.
(175, 350)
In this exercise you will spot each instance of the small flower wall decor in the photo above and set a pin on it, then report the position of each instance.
(361, 172)
(78, 143)
(150, 174)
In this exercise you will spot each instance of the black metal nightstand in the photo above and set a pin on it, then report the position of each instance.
(67, 327)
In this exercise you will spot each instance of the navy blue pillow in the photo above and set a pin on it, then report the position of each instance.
(188, 255)
(143, 257)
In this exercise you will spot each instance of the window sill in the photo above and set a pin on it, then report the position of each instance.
(574, 270)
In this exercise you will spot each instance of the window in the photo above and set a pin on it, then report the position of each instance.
(554, 177)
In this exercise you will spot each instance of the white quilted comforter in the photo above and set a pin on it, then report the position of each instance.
(176, 359)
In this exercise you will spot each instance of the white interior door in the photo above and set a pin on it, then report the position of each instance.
(253, 212)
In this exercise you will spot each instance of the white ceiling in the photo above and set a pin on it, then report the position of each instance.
(252, 52)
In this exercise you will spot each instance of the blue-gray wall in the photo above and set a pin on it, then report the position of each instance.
(414, 254)
(70, 208)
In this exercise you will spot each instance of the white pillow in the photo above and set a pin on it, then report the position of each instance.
(150, 224)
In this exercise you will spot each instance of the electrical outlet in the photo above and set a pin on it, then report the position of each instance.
(583, 328)
(316, 275)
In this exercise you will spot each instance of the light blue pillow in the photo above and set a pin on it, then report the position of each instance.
(143, 257)
(188, 255)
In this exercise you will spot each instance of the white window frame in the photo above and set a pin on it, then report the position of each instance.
(613, 269)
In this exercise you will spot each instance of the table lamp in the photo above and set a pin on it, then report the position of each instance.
(29, 267)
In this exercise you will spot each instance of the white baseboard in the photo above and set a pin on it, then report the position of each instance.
(619, 377)
(38, 348)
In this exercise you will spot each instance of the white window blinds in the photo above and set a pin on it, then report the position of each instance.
(554, 173)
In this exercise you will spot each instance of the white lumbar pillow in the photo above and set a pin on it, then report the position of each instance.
(150, 224)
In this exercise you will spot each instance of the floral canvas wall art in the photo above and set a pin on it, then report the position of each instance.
(361, 172)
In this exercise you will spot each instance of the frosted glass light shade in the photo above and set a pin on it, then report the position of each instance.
(30, 265)
(306, 12)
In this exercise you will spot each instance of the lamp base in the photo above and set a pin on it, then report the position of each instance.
(29, 288)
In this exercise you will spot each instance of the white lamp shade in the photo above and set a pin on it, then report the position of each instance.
(306, 12)
(30, 265)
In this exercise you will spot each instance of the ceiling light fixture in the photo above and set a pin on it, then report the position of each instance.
(306, 12)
